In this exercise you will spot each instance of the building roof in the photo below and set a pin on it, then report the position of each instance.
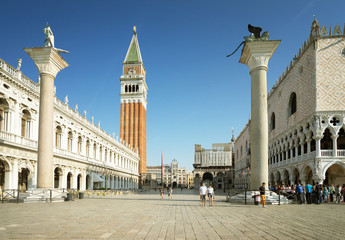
(133, 54)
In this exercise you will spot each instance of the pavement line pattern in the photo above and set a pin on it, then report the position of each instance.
(146, 216)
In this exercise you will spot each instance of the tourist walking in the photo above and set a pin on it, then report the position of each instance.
(299, 192)
(203, 191)
(262, 190)
(210, 195)
(308, 190)
(161, 191)
(170, 192)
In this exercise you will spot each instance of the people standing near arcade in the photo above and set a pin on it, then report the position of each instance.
(262, 195)
(203, 191)
(308, 190)
(210, 194)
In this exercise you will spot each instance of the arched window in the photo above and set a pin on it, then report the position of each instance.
(70, 141)
(126, 89)
(94, 150)
(26, 117)
(80, 144)
(105, 155)
(3, 115)
(137, 88)
(341, 139)
(100, 153)
(129, 88)
(273, 121)
(292, 104)
(87, 147)
(58, 134)
(327, 141)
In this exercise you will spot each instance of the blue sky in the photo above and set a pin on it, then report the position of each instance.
(196, 95)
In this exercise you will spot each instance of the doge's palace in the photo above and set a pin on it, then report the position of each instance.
(306, 114)
(84, 156)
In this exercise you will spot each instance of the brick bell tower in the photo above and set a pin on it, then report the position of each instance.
(134, 101)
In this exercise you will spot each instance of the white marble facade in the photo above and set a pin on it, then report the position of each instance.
(306, 115)
(85, 156)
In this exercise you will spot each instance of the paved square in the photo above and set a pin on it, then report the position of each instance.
(145, 216)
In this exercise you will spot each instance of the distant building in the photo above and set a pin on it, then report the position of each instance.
(190, 179)
(213, 166)
(242, 158)
(173, 175)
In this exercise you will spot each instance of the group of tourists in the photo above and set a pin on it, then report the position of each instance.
(169, 191)
(209, 191)
(304, 194)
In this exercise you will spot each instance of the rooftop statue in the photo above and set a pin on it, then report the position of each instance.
(254, 36)
(49, 40)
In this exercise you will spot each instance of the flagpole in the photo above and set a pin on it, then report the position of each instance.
(162, 168)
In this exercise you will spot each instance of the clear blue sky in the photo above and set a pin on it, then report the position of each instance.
(196, 95)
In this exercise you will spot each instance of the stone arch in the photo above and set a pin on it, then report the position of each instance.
(286, 177)
(334, 173)
(24, 177)
(292, 104)
(307, 174)
(79, 181)
(69, 177)
(295, 176)
(326, 141)
(26, 164)
(341, 139)
(277, 178)
(58, 174)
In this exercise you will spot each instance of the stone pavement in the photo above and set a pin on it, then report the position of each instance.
(145, 216)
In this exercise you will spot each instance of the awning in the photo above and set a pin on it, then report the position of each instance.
(97, 178)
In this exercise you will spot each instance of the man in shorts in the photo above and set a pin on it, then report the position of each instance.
(203, 191)
(262, 195)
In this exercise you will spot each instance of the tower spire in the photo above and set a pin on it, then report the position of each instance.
(133, 101)
(133, 54)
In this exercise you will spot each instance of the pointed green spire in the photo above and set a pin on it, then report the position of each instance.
(133, 54)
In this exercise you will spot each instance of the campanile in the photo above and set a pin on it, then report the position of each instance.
(134, 101)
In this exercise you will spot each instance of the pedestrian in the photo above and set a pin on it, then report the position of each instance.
(325, 194)
(338, 193)
(343, 192)
(170, 192)
(299, 191)
(210, 194)
(308, 190)
(262, 190)
(331, 193)
(161, 191)
(203, 191)
(318, 192)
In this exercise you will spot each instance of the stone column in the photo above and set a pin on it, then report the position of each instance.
(48, 62)
(255, 55)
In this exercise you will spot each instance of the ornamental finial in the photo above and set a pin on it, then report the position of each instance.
(135, 29)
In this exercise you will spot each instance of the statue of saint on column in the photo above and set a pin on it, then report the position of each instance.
(49, 40)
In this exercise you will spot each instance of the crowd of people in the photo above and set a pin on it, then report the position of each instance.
(318, 193)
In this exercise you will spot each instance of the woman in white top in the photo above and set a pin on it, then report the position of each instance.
(210, 194)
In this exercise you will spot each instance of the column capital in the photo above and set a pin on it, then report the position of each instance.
(47, 60)
(258, 53)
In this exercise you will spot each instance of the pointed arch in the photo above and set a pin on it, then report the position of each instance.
(292, 104)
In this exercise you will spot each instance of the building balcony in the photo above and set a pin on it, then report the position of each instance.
(11, 138)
